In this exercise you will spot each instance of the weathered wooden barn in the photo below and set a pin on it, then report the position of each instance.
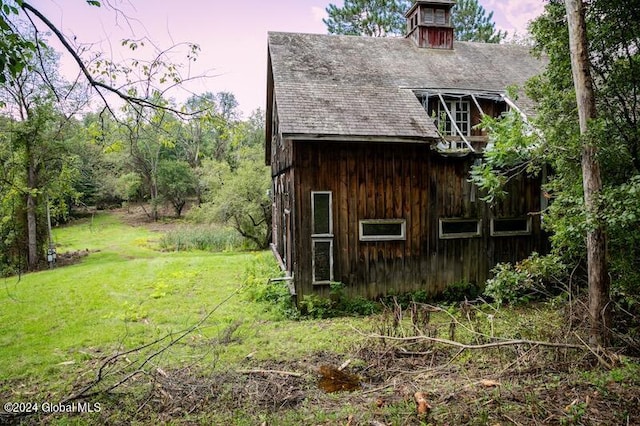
(370, 143)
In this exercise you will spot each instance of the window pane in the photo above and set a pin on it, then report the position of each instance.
(459, 228)
(440, 16)
(382, 229)
(511, 226)
(321, 213)
(427, 16)
(459, 111)
(322, 261)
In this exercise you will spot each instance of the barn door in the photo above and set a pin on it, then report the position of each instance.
(321, 237)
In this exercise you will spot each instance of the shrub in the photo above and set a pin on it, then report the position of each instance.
(338, 304)
(525, 280)
(459, 291)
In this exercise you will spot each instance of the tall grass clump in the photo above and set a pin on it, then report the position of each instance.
(213, 238)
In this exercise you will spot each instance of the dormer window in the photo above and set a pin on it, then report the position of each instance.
(456, 114)
(459, 111)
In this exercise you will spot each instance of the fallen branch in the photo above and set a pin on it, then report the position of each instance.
(464, 346)
(601, 360)
(279, 372)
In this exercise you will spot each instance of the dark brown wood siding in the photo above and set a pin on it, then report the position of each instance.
(401, 181)
(282, 197)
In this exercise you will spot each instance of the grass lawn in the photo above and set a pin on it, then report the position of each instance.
(126, 293)
(242, 364)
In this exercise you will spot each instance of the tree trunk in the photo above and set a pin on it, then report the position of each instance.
(599, 307)
(32, 235)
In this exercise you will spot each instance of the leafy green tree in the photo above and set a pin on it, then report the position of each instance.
(150, 136)
(557, 143)
(380, 18)
(207, 132)
(17, 51)
(176, 182)
(248, 133)
(236, 189)
(471, 23)
(243, 200)
(40, 168)
(597, 275)
(128, 187)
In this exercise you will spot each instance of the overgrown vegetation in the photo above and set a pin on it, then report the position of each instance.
(263, 286)
(551, 143)
(204, 337)
(535, 278)
(56, 154)
(214, 238)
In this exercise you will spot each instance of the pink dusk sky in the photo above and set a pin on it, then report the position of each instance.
(232, 35)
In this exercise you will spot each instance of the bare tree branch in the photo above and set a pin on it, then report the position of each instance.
(97, 85)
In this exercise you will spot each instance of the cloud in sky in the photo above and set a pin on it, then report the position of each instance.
(513, 16)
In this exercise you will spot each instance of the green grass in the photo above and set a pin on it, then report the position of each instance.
(106, 232)
(126, 293)
(59, 325)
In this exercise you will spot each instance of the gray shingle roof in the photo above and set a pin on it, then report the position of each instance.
(363, 86)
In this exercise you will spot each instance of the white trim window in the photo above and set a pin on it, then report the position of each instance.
(383, 230)
(322, 260)
(450, 228)
(321, 208)
(510, 226)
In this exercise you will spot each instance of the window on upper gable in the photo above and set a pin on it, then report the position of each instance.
(459, 110)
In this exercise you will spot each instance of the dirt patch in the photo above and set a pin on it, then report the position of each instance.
(72, 257)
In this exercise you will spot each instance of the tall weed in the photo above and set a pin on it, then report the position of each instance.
(213, 238)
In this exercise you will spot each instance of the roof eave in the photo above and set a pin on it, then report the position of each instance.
(359, 138)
